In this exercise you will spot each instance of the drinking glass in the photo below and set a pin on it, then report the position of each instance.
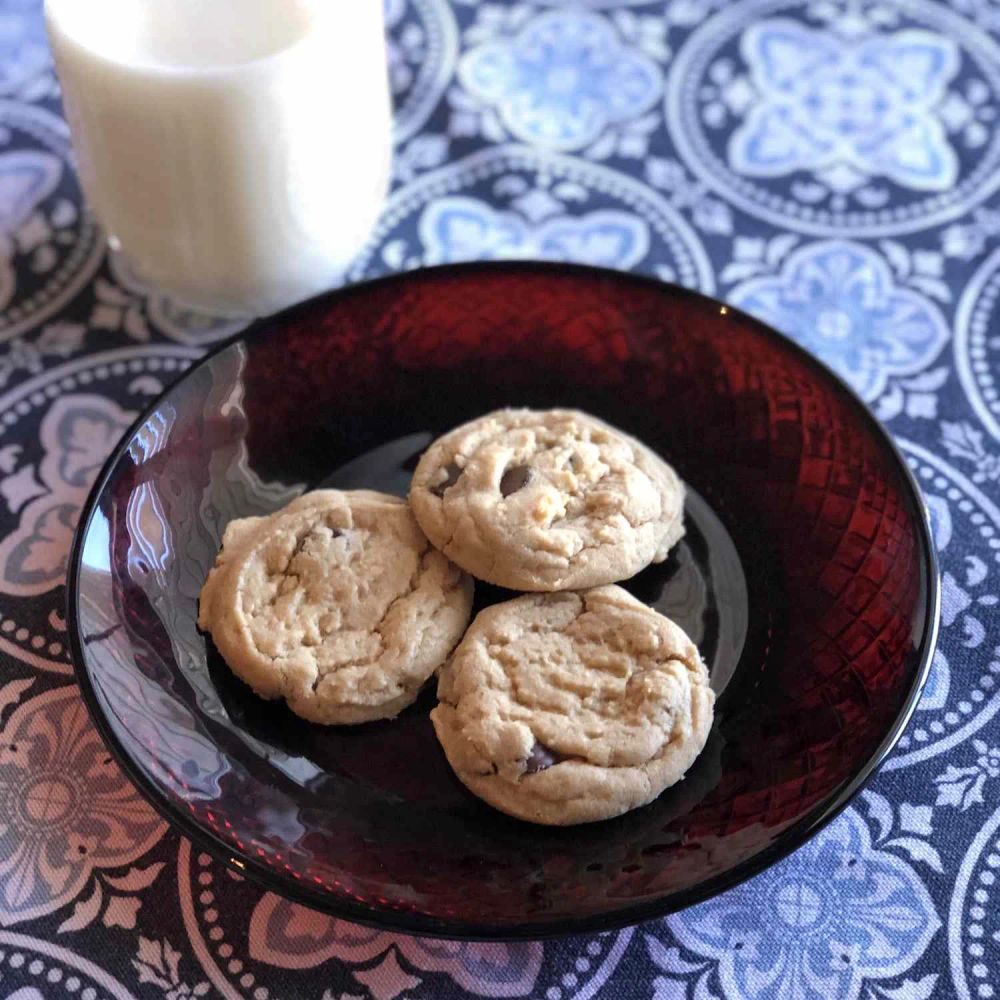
(237, 152)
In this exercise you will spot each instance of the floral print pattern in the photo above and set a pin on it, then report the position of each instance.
(847, 110)
(561, 80)
(66, 808)
(24, 54)
(289, 936)
(817, 925)
(77, 435)
(839, 300)
(842, 117)
(454, 229)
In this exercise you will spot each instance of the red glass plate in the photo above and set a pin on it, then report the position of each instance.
(807, 578)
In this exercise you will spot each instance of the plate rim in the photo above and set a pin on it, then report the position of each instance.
(420, 924)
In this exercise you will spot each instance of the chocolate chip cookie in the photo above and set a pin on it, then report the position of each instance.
(338, 604)
(547, 500)
(572, 707)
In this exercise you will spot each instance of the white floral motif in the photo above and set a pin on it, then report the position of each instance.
(57, 340)
(461, 228)
(963, 786)
(47, 243)
(159, 963)
(289, 936)
(27, 178)
(961, 697)
(421, 45)
(847, 110)
(562, 80)
(835, 117)
(838, 299)
(65, 808)
(836, 913)
(967, 241)
(76, 434)
(570, 208)
(400, 74)
(24, 54)
(962, 440)
(709, 214)
(120, 911)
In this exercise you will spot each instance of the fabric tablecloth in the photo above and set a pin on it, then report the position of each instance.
(832, 166)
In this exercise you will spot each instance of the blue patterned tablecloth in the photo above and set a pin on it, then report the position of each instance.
(832, 166)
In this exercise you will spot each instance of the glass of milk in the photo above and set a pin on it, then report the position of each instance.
(236, 151)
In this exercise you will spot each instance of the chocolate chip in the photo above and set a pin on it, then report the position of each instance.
(542, 758)
(451, 476)
(515, 478)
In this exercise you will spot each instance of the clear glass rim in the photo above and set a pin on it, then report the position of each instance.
(320, 12)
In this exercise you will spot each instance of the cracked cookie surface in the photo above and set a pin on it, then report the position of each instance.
(338, 603)
(572, 707)
(547, 500)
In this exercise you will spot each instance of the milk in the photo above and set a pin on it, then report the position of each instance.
(237, 150)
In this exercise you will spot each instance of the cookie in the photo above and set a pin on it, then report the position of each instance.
(547, 500)
(338, 604)
(572, 707)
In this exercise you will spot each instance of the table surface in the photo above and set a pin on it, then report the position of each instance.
(831, 166)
